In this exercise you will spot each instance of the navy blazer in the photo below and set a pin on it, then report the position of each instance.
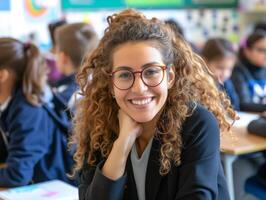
(200, 175)
(37, 143)
(66, 86)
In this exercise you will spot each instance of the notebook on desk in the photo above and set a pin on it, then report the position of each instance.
(245, 118)
(50, 190)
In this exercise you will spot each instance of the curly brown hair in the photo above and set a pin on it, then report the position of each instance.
(96, 123)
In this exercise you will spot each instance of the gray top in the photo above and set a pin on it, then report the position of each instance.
(139, 166)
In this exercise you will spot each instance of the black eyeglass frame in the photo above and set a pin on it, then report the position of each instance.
(260, 50)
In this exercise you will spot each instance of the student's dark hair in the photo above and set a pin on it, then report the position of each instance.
(96, 124)
(252, 39)
(175, 26)
(255, 37)
(53, 26)
(75, 40)
(261, 25)
(25, 61)
(217, 48)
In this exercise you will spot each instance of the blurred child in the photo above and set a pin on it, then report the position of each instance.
(53, 74)
(249, 75)
(34, 132)
(220, 57)
(72, 42)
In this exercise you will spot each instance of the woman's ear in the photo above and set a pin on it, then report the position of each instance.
(171, 76)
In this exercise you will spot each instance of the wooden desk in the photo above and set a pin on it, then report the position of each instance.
(238, 143)
(241, 142)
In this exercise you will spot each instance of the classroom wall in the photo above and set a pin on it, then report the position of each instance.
(223, 22)
(28, 20)
(25, 20)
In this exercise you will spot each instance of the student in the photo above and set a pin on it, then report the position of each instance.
(147, 126)
(220, 57)
(53, 75)
(72, 42)
(34, 132)
(249, 75)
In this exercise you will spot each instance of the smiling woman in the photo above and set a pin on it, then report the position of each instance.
(148, 125)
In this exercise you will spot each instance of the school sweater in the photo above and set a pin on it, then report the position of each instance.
(37, 143)
(229, 88)
(66, 87)
(200, 175)
(250, 84)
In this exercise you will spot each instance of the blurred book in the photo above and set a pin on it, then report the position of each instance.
(52, 190)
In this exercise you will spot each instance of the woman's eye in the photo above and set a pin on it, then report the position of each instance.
(151, 72)
(124, 75)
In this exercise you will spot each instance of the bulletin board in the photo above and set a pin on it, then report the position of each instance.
(145, 4)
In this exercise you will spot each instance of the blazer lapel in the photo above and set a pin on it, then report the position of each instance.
(153, 177)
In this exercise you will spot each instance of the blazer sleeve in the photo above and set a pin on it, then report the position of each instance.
(200, 159)
(95, 186)
(230, 90)
(27, 144)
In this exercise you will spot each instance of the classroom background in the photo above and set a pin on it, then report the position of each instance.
(233, 19)
(27, 20)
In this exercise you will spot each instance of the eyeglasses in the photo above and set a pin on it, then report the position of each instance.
(260, 50)
(151, 75)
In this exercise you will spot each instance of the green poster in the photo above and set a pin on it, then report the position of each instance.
(149, 4)
(155, 3)
(212, 3)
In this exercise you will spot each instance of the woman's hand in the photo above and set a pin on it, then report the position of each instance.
(129, 130)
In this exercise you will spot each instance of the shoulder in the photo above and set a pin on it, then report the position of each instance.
(200, 125)
(20, 103)
(240, 69)
(21, 110)
(228, 83)
(200, 114)
(228, 86)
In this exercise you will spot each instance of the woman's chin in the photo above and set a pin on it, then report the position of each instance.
(142, 119)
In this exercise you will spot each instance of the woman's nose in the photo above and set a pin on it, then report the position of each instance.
(138, 85)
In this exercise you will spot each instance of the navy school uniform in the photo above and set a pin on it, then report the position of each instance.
(200, 175)
(229, 88)
(37, 143)
(250, 84)
(66, 88)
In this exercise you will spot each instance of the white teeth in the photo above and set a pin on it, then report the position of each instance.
(141, 102)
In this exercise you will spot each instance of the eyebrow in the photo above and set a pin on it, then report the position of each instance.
(143, 66)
